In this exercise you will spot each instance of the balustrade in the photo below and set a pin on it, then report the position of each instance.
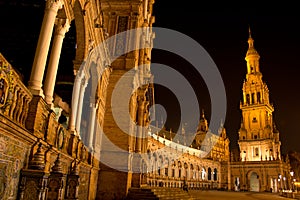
(15, 97)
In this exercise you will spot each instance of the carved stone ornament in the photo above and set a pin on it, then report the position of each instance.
(6, 85)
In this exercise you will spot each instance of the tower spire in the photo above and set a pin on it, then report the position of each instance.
(252, 56)
(249, 32)
(202, 114)
(250, 42)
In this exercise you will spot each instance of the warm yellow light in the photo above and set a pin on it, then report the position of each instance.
(297, 183)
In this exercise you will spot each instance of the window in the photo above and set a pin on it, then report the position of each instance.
(215, 174)
(244, 137)
(258, 97)
(248, 99)
(209, 174)
(256, 152)
(254, 120)
(255, 136)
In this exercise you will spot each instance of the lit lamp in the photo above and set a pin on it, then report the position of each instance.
(279, 181)
(284, 183)
(292, 174)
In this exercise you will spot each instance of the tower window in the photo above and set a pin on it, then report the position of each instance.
(248, 99)
(254, 120)
(255, 136)
(256, 151)
(252, 98)
(258, 97)
(244, 137)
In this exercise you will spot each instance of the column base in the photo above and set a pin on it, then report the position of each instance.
(37, 92)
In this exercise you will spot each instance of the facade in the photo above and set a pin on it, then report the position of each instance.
(51, 148)
(260, 166)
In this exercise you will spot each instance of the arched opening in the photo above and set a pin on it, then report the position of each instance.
(215, 174)
(179, 169)
(254, 182)
(203, 173)
(209, 174)
(258, 97)
(247, 99)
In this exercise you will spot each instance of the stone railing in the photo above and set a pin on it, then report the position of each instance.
(14, 96)
(161, 181)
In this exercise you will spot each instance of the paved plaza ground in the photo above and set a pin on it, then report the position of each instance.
(223, 195)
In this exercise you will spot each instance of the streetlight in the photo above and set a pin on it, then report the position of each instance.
(279, 181)
(292, 174)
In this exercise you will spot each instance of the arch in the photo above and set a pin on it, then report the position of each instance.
(166, 166)
(203, 173)
(215, 174)
(81, 36)
(179, 169)
(209, 174)
(254, 182)
(248, 99)
(258, 97)
(155, 156)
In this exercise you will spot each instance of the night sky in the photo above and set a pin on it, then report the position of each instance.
(223, 31)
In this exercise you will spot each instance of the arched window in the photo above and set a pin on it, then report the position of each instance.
(258, 97)
(247, 99)
(179, 169)
(203, 174)
(252, 98)
(256, 151)
(209, 174)
(215, 174)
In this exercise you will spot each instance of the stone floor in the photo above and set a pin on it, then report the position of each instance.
(224, 195)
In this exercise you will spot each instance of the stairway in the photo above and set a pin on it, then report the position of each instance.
(158, 193)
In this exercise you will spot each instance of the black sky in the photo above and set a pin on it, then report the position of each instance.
(223, 31)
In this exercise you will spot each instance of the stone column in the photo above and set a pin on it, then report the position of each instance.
(61, 28)
(75, 98)
(140, 119)
(91, 131)
(39, 63)
(79, 106)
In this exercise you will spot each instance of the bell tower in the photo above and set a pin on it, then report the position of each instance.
(258, 136)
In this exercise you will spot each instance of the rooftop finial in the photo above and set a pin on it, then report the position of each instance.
(250, 40)
(249, 32)
(202, 114)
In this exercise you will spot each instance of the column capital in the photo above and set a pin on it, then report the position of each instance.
(54, 5)
(62, 26)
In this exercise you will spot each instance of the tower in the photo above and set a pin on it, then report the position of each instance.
(258, 136)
